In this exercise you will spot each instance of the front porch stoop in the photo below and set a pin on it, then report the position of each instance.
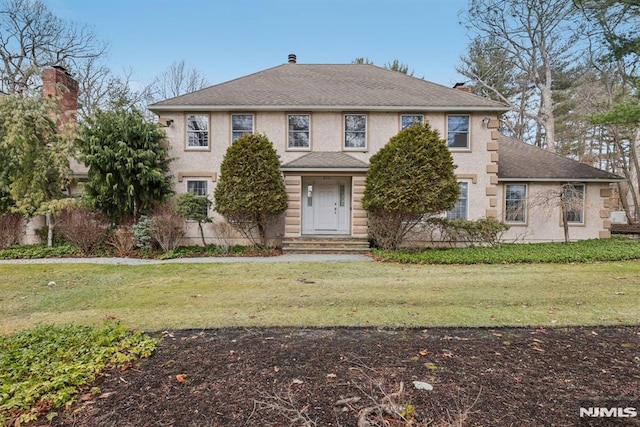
(325, 245)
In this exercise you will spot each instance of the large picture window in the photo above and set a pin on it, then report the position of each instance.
(241, 124)
(515, 203)
(299, 130)
(461, 208)
(573, 203)
(458, 131)
(355, 131)
(197, 131)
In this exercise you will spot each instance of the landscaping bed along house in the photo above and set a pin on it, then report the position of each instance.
(372, 377)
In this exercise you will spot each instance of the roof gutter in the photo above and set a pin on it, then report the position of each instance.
(560, 179)
(270, 108)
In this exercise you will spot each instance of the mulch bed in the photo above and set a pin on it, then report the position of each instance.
(334, 377)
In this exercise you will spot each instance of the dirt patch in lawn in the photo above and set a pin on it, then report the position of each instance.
(340, 377)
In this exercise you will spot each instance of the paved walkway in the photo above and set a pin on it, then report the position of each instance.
(135, 261)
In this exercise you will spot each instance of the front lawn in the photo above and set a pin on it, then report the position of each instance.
(212, 295)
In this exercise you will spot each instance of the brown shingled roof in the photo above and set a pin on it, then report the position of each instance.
(322, 86)
(523, 162)
(325, 160)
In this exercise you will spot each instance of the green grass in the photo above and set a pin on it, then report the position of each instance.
(168, 296)
(615, 249)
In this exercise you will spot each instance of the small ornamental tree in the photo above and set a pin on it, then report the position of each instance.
(409, 178)
(194, 208)
(128, 163)
(251, 194)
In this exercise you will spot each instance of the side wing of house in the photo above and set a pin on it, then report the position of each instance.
(538, 188)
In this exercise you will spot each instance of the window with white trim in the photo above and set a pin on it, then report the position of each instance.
(515, 210)
(573, 203)
(458, 131)
(355, 131)
(241, 124)
(197, 131)
(299, 131)
(200, 188)
(407, 120)
(461, 208)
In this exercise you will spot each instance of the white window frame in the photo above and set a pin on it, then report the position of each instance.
(201, 180)
(242, 132)
(402, 116)
(582, 211)
(452, 214)
(291, 132)
(524, 201)
(364, 132)
(196, 132)
(454, 132)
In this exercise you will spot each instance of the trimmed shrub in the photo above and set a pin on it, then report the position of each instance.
(410, 178)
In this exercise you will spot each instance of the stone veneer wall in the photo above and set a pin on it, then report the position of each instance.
(293, 215)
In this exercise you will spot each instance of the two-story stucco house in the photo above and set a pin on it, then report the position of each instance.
(326, 121)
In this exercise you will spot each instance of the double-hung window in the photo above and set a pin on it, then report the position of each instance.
(458, 131)
(241, 124)
(573, 203)
(407, 120)
(199, 188)
(197, 131)
(515, 210)
(461, 208)
(299, 131)
(355, 131)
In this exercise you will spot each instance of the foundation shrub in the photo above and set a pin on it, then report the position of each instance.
(11, 229)
(84, 228)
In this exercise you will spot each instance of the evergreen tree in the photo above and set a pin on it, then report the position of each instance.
(128, 163)
(409, 178)
(251, 193)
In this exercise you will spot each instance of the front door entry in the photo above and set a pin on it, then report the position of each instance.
(326, 205)
(326, 210)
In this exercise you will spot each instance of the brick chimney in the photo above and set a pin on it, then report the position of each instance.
(58, 83)
(461, 86)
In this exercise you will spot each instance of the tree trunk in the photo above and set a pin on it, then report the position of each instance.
(49, 222)
(204, 244)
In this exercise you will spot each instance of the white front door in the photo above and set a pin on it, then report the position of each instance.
(325, 215)
(326, 205)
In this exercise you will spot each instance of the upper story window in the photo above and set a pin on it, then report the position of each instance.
(461, 208)
(241, 124)
(573, 203)
(299, 131)
(355, 131)
(515, 210)
(458, 131)
(197, 131)
(407, 120)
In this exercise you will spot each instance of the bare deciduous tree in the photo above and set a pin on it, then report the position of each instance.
(538, 38)
(568, 198)
(33, 38)
(178, 80)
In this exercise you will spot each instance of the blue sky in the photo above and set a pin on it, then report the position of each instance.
(226, 39)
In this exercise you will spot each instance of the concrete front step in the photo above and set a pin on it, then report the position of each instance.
(325, 245)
